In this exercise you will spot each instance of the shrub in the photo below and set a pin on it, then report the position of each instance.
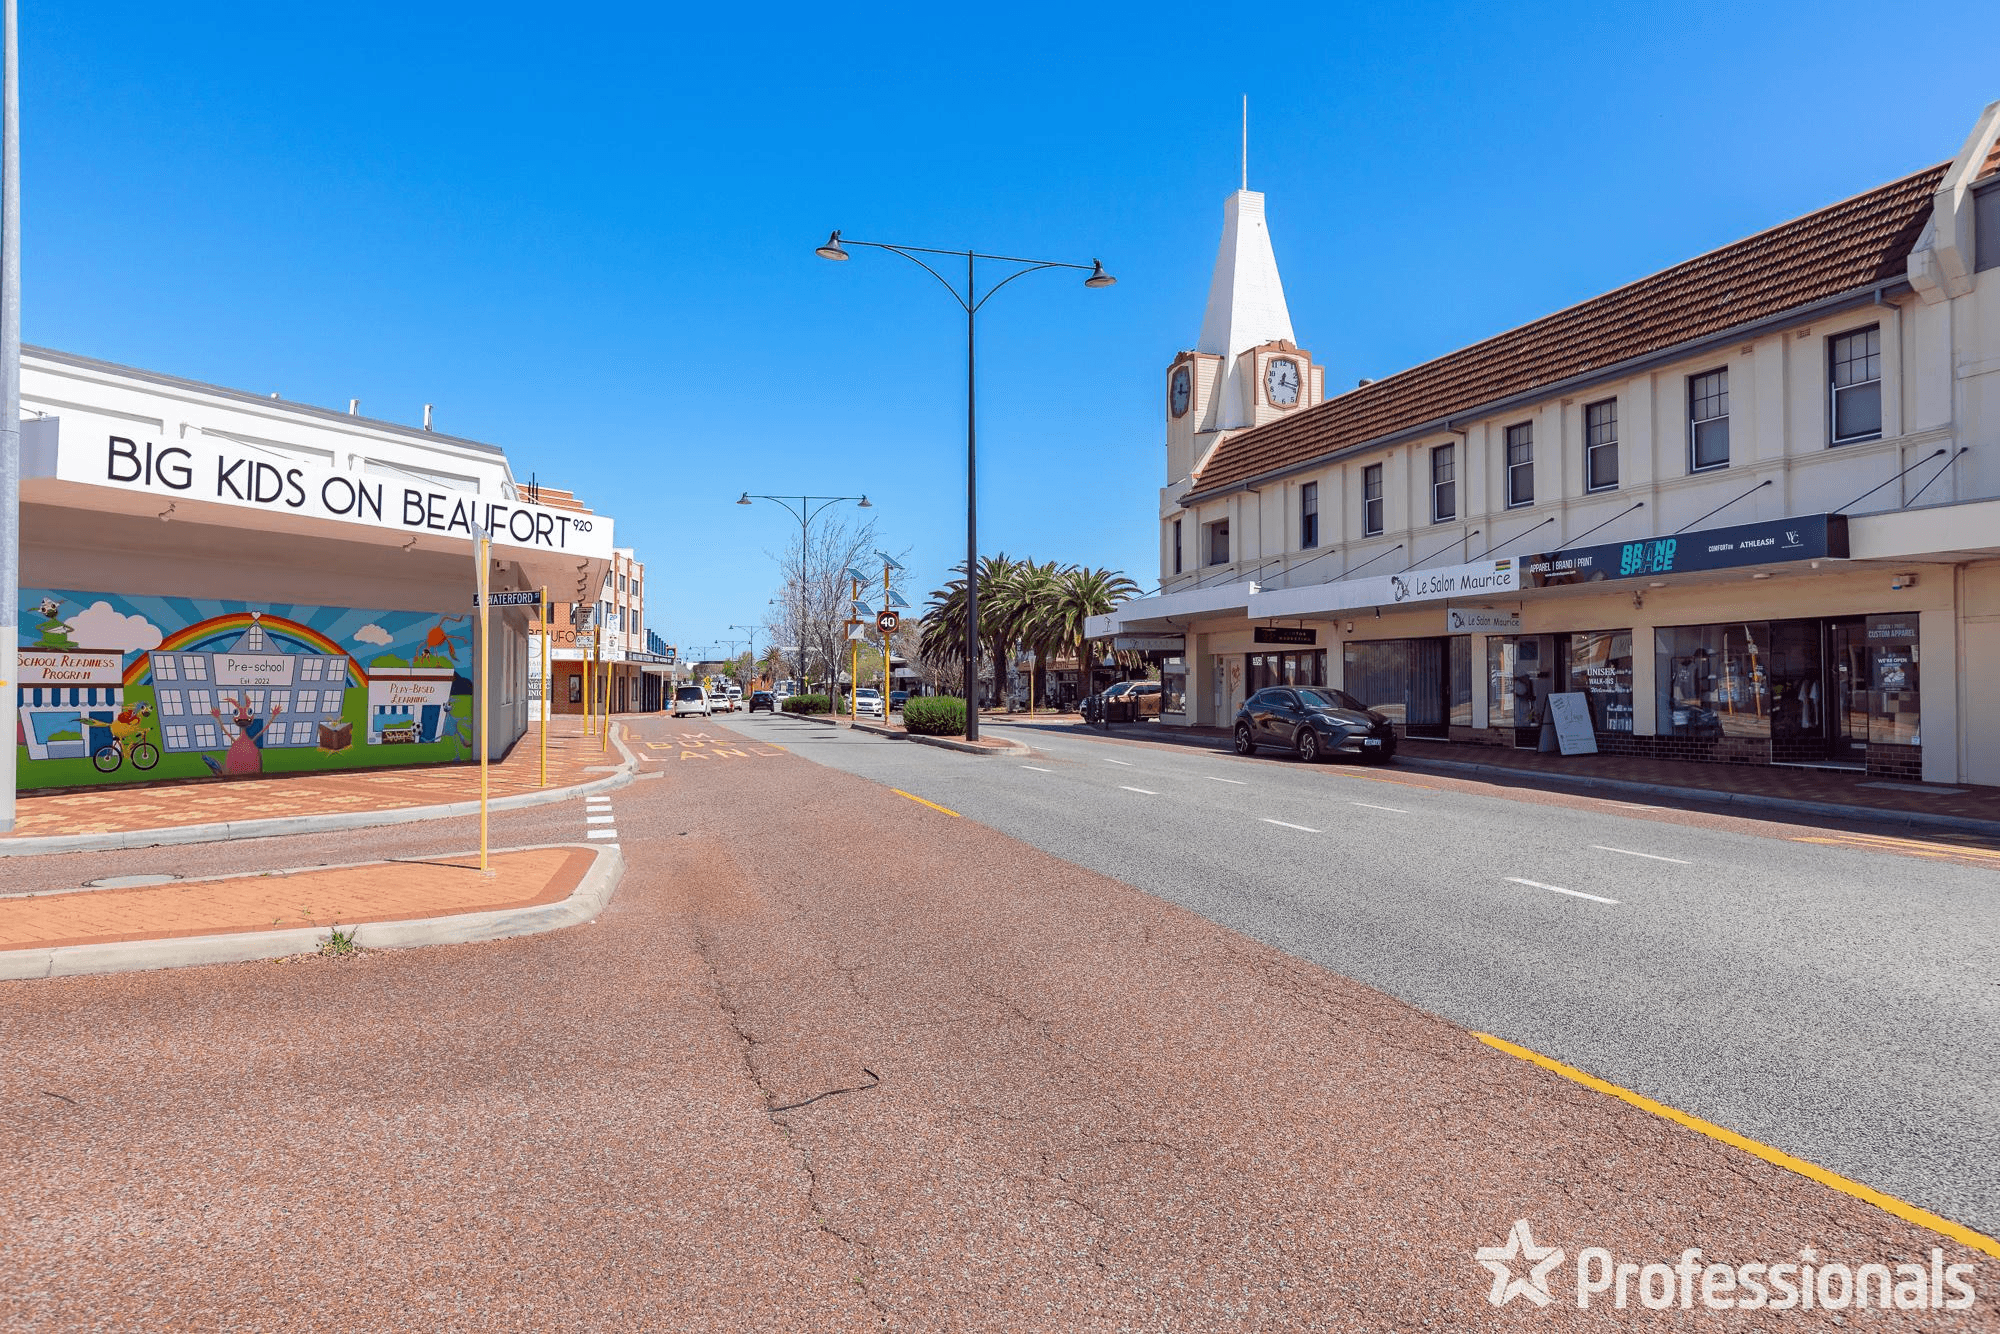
(934, 715)
(806, 704)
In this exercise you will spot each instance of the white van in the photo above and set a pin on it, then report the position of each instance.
(692, 699)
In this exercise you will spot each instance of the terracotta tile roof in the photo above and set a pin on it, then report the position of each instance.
(1992, 163)
(1843, 248)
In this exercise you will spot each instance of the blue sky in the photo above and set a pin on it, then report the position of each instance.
(586, 232)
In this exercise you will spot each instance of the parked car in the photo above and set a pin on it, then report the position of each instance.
(763, 699)
(868, 702)
(692, 699)
(1124, 701)
(1093, 703)
(897, 699)
(1313, 722)
(720, 697)
(735, 697)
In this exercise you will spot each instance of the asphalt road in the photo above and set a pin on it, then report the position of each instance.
(1839, 1002)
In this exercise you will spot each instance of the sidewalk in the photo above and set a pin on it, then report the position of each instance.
(1969, 808)
(121, 928)
(140, 815)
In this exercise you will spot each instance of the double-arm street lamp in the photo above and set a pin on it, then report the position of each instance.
(805, 509)
(970, 300)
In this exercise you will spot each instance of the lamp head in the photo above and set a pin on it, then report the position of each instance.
(743, 499)
(1098, 277)
(864, 505)
(831, 250)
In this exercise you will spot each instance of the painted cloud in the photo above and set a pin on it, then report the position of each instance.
(372, 634)
(98, 626)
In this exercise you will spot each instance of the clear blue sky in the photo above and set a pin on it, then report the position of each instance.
(586, 233)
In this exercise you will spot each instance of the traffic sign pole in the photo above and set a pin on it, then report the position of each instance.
(543, 613)
(485, 669)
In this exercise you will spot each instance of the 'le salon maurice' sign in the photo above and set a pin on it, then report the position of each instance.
(200, 467)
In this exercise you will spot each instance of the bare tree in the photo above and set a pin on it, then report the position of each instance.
(812, 608)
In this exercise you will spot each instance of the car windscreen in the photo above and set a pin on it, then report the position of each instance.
(1325, 697)
(688, 692)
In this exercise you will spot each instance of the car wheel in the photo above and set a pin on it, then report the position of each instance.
(1306, 743)
(1245, 743)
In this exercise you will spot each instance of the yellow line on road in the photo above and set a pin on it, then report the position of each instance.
(921, 802)
(1910, 1213)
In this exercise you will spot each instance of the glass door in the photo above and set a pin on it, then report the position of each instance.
(1847, 692)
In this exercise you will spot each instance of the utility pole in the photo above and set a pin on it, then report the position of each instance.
(10, 414)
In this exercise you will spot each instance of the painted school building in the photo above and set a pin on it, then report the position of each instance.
(219, 584)
(1749, 506)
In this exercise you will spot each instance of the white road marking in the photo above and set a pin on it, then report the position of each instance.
(1126, 763)
(600, 819)
(1213, 779)
(1037, 769)
(1285, 825)
(1370, 806)
(602, 833)
(1649, 856)
(1558, 889)
(1145, 790)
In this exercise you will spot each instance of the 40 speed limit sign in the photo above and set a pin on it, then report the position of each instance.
(886, 621)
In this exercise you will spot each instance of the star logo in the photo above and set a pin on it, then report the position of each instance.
(1520, 1246)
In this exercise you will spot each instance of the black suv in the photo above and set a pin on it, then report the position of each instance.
(763, 699)
(1313, 722)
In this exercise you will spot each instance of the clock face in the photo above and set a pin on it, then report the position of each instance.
(1281, 381)
(1183, 387)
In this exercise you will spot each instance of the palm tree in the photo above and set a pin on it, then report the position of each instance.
(1025, 601)
(943, 638)
(1080, 594)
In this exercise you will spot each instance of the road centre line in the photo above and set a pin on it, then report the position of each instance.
(1285, 824)
(1126, 763)
(1035, 768)
(1889, 1204)
(921, 802)
(1145, 791)
(1367, 806)
(1558, 889)
(1213, 779)
(1649, 856)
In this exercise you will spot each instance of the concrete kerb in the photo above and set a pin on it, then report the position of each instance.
(286, 825)
(592, 892)
(1008, 745)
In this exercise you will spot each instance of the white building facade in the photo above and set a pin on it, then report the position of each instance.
(1748, 506)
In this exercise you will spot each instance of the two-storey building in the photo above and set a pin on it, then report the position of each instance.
(1748, 506)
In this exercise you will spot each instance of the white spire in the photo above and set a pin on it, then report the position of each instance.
(1246, 301)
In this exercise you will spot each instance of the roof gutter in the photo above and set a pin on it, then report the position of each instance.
(1873, 294)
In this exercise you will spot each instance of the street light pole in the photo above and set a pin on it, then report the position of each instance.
(805, 512)
(971, 300)
(10, 409)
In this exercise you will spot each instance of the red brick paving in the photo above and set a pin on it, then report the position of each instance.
(347, 895)
(572, 758)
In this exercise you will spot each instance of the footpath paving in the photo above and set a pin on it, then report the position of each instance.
(1969, 807)
(833, 1059)
(236, 807)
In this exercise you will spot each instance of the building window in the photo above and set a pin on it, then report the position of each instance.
(1371, 500)
(177, 738)
(205, 736)
(1600, 445)
(1521, 464)
(1177, 546)
(576, 687)
(1218, 542)
(1854, 366)
(1444, 483)
(195, 667)
(1309, 515)
(200, 701)
(1708, 420)
(170, 702)
(163, 669)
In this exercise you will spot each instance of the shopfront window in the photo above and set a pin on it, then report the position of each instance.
(1461, 681)
(1378, 674)
(1307, 668)
(1173, 685)
(1600, 667)
(1505, 706)
(1712, 680)
(1893, 681)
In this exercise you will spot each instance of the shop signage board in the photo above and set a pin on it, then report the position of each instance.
(1479, 579)
(1570, 713)
(100, 451)
(1286, 634)
(1151, 643)
(1771, 542)
(1481, 621)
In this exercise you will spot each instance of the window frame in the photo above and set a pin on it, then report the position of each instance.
(1516, 467)
(1696, 423)
(1448, 485)
(1373, 508)
(1591, 448)
(1219, 529)
(1308, 515)
(1177, 546)
(1833, 389)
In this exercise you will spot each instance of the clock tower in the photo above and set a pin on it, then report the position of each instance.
(1246, 370)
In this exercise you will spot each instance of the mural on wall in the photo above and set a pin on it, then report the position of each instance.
(117, 689)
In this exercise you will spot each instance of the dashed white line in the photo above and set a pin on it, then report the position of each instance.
(1371, 806)
(1649, 856)
(1126, 763)
(1213, 779)
(600, 819)
(1285, 824)
(1558, 889)
(1146, 791)
(1037, 769)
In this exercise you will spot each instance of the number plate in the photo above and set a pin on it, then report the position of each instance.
(1371, 741)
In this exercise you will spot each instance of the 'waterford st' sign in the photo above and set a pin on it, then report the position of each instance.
(1811, 537)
